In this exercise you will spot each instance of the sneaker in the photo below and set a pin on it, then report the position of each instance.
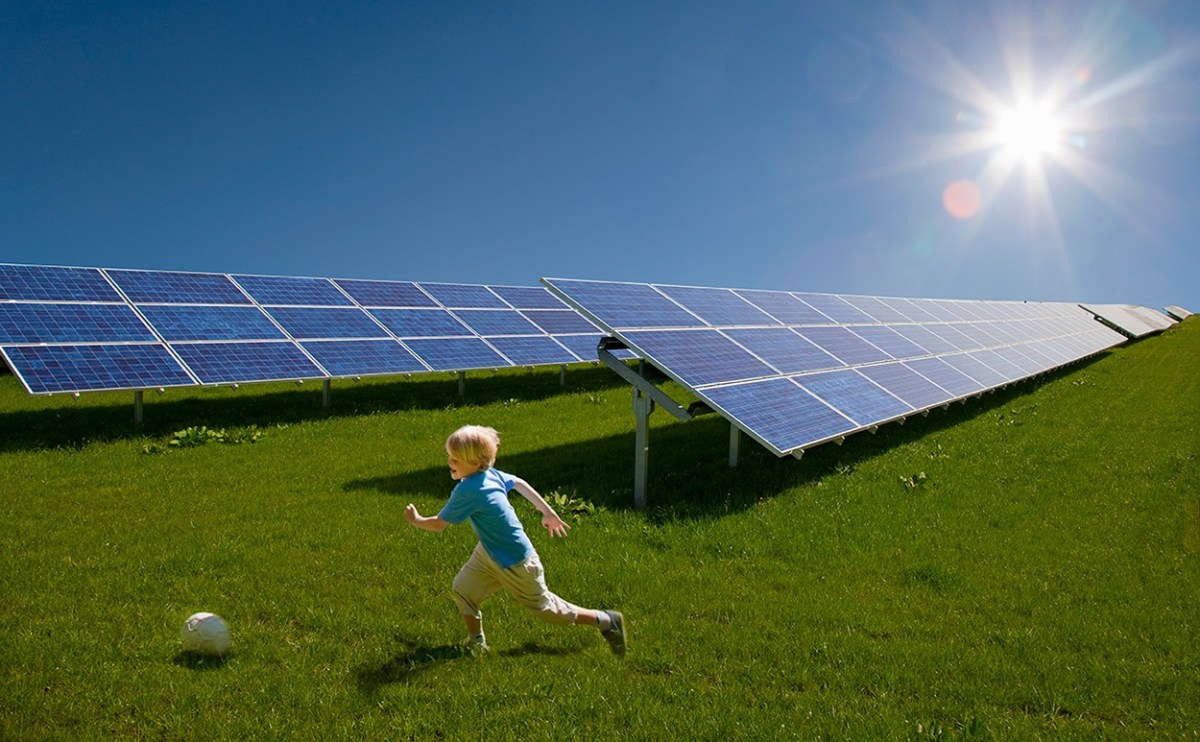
(615, 634)
(475, 646)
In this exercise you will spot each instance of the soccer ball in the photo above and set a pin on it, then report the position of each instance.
(205, 633)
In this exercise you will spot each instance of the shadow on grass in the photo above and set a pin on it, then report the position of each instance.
(415, 658)
(75, 425)
(200, 662)
(689, 474)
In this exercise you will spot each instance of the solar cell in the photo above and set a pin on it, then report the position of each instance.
(784, 307)
(52, 283)
(203, 322)
(496, 322)
(951, 334)
(877, 309)
(284, 290)
(718, 306)
(945, 376)
(890, 341)
(246, 362)
(559, 321)
(843, 344)
(913, 388)
(415, 323)
(45, 369)
(535, 350)
(385, 293)
(71, 323)
(855, 396)
(315, 323)
(934, 309)
(148, 287)
(783, 349)
(626, 305)
(911, 309)
(463, 296)
(529, 297)
(584, 346)
(923, 337)
(779, 414)
(976, 369)
(837, 309)
(1002, 366)
(701, 356)
(363, 357)
(455, 354)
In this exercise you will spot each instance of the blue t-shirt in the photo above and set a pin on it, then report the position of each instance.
(482, 498)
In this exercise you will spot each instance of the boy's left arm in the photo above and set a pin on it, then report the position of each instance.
(432, 523)
(554, 524)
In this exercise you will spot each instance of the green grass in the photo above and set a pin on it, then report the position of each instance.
(1024, 565)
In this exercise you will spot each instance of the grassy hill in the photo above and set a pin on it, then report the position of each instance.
(1025, 564)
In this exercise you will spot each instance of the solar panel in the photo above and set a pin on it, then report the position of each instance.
(46, 369)
(1177, 312)
(1132, 320)
(52, 283)
(851, 363)
(228, 329)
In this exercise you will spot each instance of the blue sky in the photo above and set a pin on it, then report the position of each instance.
(848, 147)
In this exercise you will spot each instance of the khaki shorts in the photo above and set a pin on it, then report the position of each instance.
(480, 577)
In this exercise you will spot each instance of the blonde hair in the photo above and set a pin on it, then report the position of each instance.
(474, 444)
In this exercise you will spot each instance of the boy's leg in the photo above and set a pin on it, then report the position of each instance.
(527, 583)
(473, 584)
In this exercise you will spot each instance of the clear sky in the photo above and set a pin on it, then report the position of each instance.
(1046, 150)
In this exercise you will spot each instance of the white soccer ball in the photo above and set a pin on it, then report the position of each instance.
(205, 633)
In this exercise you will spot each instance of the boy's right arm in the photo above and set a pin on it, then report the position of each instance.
(434, 523)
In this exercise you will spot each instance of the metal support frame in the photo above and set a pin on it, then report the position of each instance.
(562, 375)
(138, 405)
(326, 397)
(462, 383)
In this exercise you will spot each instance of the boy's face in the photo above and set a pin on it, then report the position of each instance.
(459, 469)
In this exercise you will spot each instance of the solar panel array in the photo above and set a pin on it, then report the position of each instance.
(1178, 313)
(1130, 319)
(68, 329)
(793, 370)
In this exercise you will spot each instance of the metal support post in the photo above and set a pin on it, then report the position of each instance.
(643, 405)
(562, 375)
(137, 406)
(462, 383)
(326, 397)
(735, 445)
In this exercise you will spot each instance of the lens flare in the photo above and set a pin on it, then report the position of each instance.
(962, 199)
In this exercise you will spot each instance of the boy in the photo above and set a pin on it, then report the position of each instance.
(504, 556)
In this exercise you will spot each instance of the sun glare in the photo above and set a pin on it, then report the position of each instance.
(1028, 132)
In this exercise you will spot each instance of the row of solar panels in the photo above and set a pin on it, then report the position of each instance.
(66, 329)
(794, 370)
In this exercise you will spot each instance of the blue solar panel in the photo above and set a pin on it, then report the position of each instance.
(956, 339)
(923, 337)
(787, 352)
(226, 363)
(46, 369)
(363, 357)
(779, 414)
(415, 323)
(877, 309)
(320, 323)
(186, 322)
(463, 296)
(385, 293)
(718, 306)
(528, 297)
(837, 309)
(292, 291)
(976, 370)
(71, 323)
(934, 309)
(143, 287)
(537, 350)
(559, 322)
(1001, 366)
(890, 341)
(784, 307)
(911, 309)
(51, 283)
(626, 305)
(584, 346)
(946, 376)
(1025, 365)
(855, 396)
(919, 392)
(455, 354)
(844, 345)
(698, 356)
(496, 322)
(976, 337)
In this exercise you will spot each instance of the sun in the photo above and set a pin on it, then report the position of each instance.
(1028, 132)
